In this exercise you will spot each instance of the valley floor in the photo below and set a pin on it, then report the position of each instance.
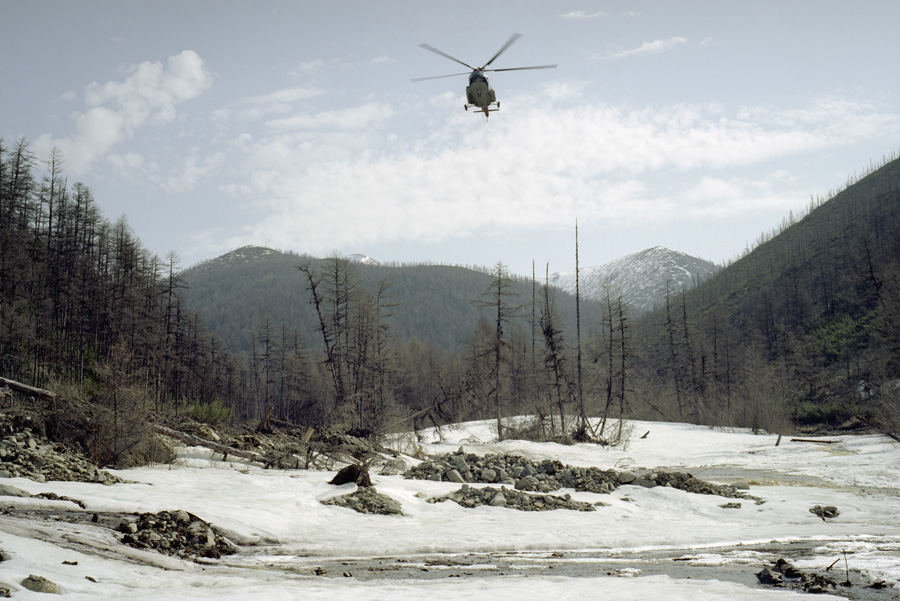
(639, 543)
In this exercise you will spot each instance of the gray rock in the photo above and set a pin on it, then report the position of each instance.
(767, 576)
(527, 483)
(182, 516)
(39, 584)
(499, 500)
(460, 462)
(488, 475)
(454, 476)
(626, 477)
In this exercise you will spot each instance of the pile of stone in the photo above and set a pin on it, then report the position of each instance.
(366, 499)
(784, 574)
(688, 483)
(549, 475)
(470, 497)
(523, 474)
(176, 533)
(25, 454)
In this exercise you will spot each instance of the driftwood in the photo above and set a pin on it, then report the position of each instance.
(815, 440)
(26, 389)
(215, 446)
(406, 419)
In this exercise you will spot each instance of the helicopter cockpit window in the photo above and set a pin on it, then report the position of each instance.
(477, 76)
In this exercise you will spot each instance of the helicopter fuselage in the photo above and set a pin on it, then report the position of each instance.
(479, 92)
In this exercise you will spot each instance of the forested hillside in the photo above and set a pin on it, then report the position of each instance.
(90, 314)
(239, 291)
(806, 327)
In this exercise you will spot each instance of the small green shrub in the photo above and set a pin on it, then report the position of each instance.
(214, 412)
(822, 412)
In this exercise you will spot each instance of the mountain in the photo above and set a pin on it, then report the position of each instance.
(237, 291)
(803, 327)
(641, 278)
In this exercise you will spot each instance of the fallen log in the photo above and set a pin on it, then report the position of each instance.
(878, 427)
(225, 450)
(26, 389)
(815, 440)
(406, 419)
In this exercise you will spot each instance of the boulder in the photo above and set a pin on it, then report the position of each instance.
(39, 584)
(454, 476)
(626, 477)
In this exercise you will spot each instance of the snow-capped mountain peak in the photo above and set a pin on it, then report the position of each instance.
(361, 258)
(640, 278)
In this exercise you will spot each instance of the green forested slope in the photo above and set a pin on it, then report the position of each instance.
(799, 325)
(434, 303)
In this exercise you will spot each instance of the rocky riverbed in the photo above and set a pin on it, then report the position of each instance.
(549, 475)
(24, 453)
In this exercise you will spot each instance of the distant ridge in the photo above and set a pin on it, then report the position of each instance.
(243, 290)
(640, 278)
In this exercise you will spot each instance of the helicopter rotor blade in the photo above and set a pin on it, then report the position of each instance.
(445, 55)
(508, 43)
(523, 68)
(438, 76)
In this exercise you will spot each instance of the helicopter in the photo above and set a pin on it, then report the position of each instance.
(479, 93)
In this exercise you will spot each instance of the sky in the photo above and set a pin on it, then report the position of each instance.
(285, 532)
(215, 124)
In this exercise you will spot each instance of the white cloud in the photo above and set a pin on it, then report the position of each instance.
(310, 66)
(126, 163)
(353, 118)
(646, 48)
(580, 14)
(279, 102)
(323, 181)
(117, 108)
(192, 169)
(286, 96)
(152, 89)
